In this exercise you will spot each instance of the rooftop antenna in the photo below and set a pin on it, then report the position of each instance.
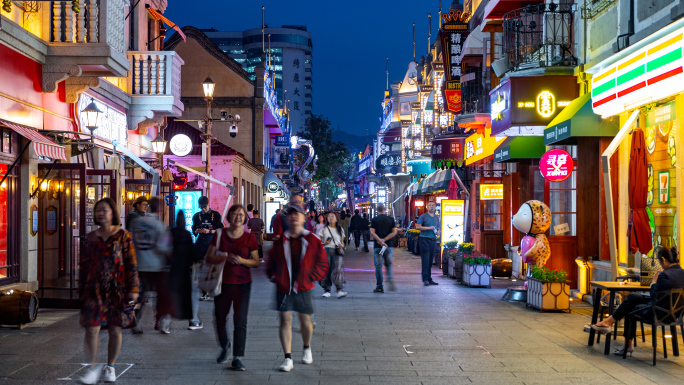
(414, 42)
(387, 74)
(429, 32)
(269, 51)
(262, 28)
(440, 14)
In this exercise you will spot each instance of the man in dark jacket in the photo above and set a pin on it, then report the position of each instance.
(204, 226)
(140, 207)
(355, 227)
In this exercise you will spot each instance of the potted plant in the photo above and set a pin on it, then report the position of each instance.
(402, 238)
(548, 289)
(415, 244)
(449, 252)
(464, 249)
(477, 270)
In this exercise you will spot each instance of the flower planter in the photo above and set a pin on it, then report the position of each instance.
(446, 263)
(457, 270)
(477, 275)
(548, 296)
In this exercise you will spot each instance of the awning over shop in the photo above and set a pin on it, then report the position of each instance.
(520, 147)
(158, 16)
(437, 181)
(393, 135)
(41, 144)
(498, 8)
(418, 167)
(577, 119)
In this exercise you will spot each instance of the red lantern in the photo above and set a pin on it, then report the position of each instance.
(556, 165)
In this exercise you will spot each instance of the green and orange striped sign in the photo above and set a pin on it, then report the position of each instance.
(651, 73)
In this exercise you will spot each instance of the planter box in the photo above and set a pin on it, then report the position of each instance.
(446, 264)
(477, 275)
(548, 296)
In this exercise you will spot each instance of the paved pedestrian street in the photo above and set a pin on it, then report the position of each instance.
(446, 334)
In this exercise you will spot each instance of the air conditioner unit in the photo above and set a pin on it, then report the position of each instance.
(501, 66)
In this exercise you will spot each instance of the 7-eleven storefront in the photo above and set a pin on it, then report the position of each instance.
(642, 86)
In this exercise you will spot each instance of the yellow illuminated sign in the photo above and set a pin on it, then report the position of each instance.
(452, 220)
(546, 104)
(491, 192)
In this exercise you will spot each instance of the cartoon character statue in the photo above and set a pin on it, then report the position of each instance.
(534, 219)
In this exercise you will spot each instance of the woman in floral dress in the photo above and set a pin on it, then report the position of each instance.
(108, 285)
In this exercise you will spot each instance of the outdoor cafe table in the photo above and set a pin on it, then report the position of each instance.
(612, 287)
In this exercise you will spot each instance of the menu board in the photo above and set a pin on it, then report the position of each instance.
(452, 220)
(660, 136)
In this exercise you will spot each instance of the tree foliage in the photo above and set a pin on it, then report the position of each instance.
(331, 154)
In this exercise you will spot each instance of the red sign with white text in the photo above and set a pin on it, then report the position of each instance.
(556, 165)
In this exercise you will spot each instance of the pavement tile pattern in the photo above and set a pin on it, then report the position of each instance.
(446, 334)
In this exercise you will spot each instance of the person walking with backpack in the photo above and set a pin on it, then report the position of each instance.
(355, 227)
(297, 260)
(332, 236)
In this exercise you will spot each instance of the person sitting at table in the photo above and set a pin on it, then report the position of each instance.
(672, 277)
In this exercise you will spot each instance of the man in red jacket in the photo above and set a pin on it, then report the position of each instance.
(297, 260)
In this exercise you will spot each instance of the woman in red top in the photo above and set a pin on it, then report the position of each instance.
(239, 250)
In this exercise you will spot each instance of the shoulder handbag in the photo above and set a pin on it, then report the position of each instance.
(339, 249)
(212, 273)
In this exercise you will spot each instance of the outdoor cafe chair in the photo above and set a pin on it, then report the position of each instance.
(604, 305)
(667, 309)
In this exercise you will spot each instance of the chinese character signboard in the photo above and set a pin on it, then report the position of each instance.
(282, 141)
(388, 164)
(382, 196)
(556, 165)
(186, 200)
(452, 220)
(530, 101)
(448, 151)
(491, 192)
(453, 34)
(479, 146)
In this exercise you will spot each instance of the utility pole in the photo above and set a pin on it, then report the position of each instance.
(208, 124)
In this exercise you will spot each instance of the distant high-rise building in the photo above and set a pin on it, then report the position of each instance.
(291, 63)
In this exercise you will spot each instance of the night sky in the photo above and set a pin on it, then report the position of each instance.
(351, 40)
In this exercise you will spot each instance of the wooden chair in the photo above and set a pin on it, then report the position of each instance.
(667, 309)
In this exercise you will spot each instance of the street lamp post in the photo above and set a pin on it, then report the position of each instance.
(208, 86)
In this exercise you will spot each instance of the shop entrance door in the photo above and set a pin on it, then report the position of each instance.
(491, 226)
(65, 204)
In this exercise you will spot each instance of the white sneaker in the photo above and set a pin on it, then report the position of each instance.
(307, 358)
(92, 376)
(287, 365)
(109, 374)
(326, 294)
(341, 294)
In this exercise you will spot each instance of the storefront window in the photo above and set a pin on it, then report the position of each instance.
(563, 204)
(9, 226)
(492, 216)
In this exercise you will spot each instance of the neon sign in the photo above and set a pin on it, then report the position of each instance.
(556, 165)
(546, 104)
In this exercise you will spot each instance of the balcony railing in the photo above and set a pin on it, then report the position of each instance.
(97, 21)
(539, 36)
(475, 90)
(155, 73)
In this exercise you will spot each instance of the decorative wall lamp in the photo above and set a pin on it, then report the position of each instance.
(56, 187)
(92, 116)
(159, 145)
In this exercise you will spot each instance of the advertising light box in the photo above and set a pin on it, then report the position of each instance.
(491, 192)
(187, 200)
(453, 220)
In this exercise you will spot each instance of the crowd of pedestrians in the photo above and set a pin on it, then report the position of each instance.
(122, 270)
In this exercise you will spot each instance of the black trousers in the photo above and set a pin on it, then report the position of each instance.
(238, 297)
(629, 304)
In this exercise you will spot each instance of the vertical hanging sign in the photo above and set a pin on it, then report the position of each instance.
(453, 34)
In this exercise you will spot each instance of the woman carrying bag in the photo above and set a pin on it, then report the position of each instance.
(238, 252)
(332, 236)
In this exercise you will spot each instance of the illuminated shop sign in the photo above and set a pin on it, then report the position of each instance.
(180, 145)
(649, 74)
(452, 220)
(113, 125)
(479, 146)
(491, 192)
(556, 165)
